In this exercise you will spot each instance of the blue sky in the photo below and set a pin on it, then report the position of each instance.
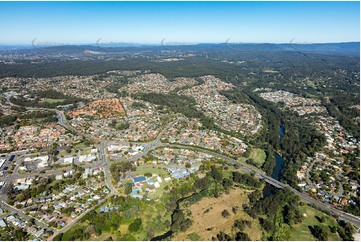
(178, 22)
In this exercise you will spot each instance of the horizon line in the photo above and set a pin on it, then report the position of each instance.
(119, 44)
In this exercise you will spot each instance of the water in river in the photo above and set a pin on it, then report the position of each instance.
(282, 132)
(267, 191)
(278, 167)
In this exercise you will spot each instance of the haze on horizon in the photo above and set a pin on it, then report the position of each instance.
(59, 23)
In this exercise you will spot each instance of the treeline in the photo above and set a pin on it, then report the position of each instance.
(183, 68)
(270, 162)
(246, 179)
(45, 116)
(6, 120)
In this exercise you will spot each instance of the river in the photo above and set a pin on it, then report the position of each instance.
(282, 132)
(268, 189)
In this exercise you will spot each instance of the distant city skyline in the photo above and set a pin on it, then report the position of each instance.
(111, 23)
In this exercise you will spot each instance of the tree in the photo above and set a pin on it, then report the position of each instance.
(225, 213)
(133, 227)
(223, 237)
(19, 234)
(148, 174)
(266, 224)
(235, 209)
(238, 224)
(59, 237)
(320, 232)
(227, 183)
(345, 230)
(240, 236)
(68, 149)
(32, 221)
(128, 188)
(216, 173)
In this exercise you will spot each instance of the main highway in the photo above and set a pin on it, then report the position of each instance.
(156, 144)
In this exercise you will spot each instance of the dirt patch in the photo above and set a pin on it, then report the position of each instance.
(123, 228)
(208, 220)
(107, 108)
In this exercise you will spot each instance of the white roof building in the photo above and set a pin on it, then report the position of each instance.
(2, 223)
(68, 160)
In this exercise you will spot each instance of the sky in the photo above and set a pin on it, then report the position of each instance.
(56, 23)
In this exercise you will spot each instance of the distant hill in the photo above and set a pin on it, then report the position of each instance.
(347, 48)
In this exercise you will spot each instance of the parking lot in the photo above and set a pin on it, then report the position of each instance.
(6, 161)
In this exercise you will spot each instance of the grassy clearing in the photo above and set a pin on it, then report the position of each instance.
(208, 221)
(270, 71)
(160, 190)
(49, 100)
(228, 173)
(258, 155)
(310, 84)
(102, 237)
(81, 146)
(64, 153)
(154, 170)
(301, 232)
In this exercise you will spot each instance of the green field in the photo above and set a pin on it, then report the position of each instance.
(160, 190)
(49, 100)
(154, 170)
(258, 155)
(302, 232)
